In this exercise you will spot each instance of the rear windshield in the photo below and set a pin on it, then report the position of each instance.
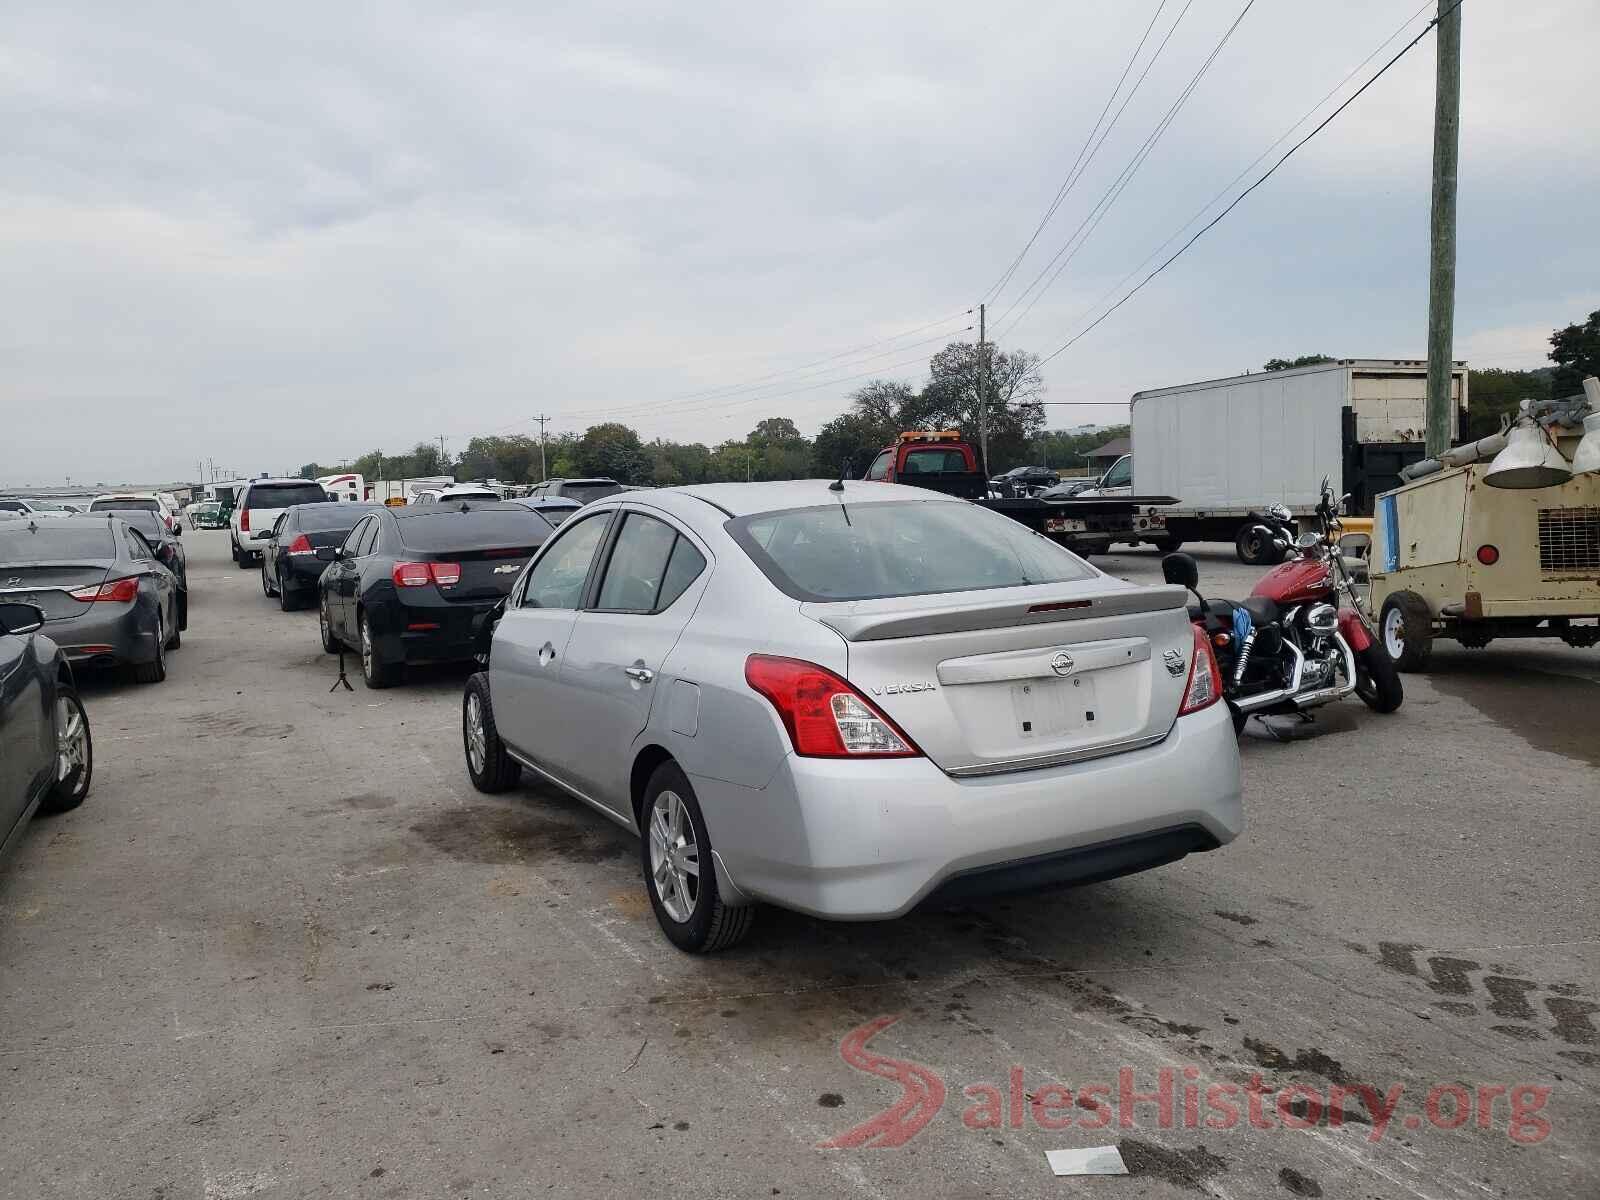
(146, 523)
(331, 518)
(935, 462)
(448, 531)
(55, 543)
(905, 548)
(583, 493)
(134, 505)
(282, 495)
(555, 515)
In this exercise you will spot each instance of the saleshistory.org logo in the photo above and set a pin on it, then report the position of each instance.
(1171, 1104)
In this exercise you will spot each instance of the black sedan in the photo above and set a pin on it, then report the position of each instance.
(554, 509)
(46, 755)
(107, 598)
(416, 584)
(289, 564)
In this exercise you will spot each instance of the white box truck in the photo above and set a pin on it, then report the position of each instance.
(1228, 448)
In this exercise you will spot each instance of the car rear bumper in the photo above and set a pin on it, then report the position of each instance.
(301, 572)
(442, 631)
(872, 839)
(107, 635)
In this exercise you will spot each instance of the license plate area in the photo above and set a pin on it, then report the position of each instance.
(1064, 525)
(1052, 708)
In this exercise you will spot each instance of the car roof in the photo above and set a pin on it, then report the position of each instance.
(591, 479)
(745, 499)
(126, 496)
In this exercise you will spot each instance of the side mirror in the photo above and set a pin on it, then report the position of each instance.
(20, 618)
(1181, 569)
(327, 553)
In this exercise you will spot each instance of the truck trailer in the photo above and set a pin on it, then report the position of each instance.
(1229, 448)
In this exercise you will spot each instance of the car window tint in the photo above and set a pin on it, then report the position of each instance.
(556, 580)
(82, 540)
(638, 563)
(934, 462)
(905, 548)
(683, 568)
(353, 541)
(282, 495)
(880, 467)
(369, 539)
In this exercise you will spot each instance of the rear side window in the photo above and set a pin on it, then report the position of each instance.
(135, 505)
(53, 543)
(905, 548)
(451, 530)
(282, 495)
(638, 565)
(934, 462)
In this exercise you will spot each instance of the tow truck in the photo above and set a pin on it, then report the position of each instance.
(938, 459)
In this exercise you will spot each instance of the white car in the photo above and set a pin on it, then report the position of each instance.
(261, 501)
(460, 491)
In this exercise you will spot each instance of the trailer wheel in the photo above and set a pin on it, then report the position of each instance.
(1167, 545)
(1254, 549)
(1406, 629)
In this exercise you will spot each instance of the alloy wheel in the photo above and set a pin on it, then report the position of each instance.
(322, 620)
(72, 742)
(366, 646)
(477, 740)
(674, 856)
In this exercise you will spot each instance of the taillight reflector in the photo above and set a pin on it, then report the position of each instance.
(118, 591)
(1204, 686)
(824, 715)
(1488, 555)
(417, 574)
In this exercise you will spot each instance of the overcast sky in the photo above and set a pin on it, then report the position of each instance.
(266, 234)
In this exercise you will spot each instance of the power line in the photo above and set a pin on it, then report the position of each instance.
(1278, 141)
(1287, 154)
(1073, 173)
(1097, 214)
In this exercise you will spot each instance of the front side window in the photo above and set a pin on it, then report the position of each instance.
(880, 467)
(1121, 473)
(905, 548)
(557, 579)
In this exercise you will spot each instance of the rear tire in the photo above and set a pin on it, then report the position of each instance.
(376, 670)
(673, 838)
(1405, 630)
(74, 754)
(287, 600)
(489, 767)
(1377, 682)
(156, 670)
(330, 641)
(242, 557)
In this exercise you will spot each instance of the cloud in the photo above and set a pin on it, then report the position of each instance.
(270, 234)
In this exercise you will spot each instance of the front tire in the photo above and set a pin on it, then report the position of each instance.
(675, 852)
(74, 754)
(489, 767)
(1377, 682)
(1405, 629)
(377, 671)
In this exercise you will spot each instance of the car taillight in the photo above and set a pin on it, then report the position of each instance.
(1204, 687)
(301, 545)
(825, 716)
(117, 590)
(416, 574)
(244, 520)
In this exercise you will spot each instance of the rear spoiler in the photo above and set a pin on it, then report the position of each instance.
(880, 620)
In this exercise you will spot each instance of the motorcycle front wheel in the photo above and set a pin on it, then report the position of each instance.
(1377, 682)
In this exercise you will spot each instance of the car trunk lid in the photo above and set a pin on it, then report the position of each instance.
(49, 585)
(1021, 678)
(485, 574)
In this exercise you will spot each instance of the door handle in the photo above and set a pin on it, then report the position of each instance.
(641, 674)
(547, 654)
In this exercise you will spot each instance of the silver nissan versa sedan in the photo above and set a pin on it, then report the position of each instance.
(850, 700)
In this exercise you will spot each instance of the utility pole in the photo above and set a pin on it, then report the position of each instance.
(443, 456)
(983, 392)
(543, 421)
(1442, 233)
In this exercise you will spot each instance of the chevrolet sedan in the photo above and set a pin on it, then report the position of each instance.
(849, 700)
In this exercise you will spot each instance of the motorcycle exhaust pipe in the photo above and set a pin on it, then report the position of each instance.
(1339, 690)
(1262, 700)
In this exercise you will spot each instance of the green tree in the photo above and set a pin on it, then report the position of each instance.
(613, 450)
(1576, 352)
(951, 399)
(1289, 364)
(1494, 393)
(311, 471)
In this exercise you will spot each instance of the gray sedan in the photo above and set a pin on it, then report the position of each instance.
(851, 699)
(106, 597)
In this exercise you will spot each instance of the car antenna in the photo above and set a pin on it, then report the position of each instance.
(838, 486)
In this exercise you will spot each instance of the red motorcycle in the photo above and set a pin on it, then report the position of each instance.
(1292, 646)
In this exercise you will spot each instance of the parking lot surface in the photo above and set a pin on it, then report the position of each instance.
(285, 950)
